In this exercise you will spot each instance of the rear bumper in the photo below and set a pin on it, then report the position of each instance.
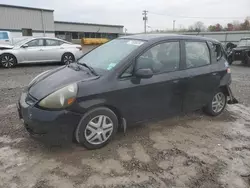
(51, 127)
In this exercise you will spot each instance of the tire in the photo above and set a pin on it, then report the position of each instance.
(8, 60)
(246, 60)
(90, 134)
(211, 108)
(67, 58)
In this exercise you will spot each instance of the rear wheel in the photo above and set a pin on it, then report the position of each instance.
(217, 104)
(67, 58)
(8, 60)
(97, 128)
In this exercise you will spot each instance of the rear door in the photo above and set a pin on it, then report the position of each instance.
(156, 97)
(53, 50)
(200, 83)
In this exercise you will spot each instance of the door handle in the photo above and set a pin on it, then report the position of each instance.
(62, 48)
(41, 50)
(214, 73)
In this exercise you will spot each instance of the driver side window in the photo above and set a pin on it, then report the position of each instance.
(36, 42)
(164, 57)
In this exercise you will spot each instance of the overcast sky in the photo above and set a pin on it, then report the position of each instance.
(129, 12)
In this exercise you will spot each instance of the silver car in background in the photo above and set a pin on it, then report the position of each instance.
(39, 50)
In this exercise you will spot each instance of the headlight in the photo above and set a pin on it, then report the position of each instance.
(34, 79)
(61, 98)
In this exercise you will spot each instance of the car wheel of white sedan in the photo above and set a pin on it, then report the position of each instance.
(8, 60)
(68, 58)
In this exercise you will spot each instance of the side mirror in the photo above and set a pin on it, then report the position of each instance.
(25, 46)
(144, 73)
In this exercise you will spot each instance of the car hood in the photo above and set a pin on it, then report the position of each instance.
(56, 79)
(5, 46)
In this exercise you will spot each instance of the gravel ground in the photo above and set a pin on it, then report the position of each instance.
(188, 151)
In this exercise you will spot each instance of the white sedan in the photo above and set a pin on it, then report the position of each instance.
(39, 50)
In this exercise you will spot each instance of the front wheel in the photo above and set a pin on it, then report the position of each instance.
(217, 104)
(8, 60)
(97, 128)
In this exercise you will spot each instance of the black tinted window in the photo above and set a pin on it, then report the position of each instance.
(163, 57)
(197, 54)
(36, 42)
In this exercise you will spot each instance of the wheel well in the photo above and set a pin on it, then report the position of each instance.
(9, 54)
(117, 113)
(114, 109)
(68, 53)
(224, 90)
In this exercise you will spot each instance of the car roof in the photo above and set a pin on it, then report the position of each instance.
(159, 37)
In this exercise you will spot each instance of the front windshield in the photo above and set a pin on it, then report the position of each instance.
(21, 41)
(244, 42)
(108, 55)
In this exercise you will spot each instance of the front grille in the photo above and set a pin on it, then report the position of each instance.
(30, 100)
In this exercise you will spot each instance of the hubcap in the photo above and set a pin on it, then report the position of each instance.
(7, 61)
(67, 59)
(98, 130)
(218, 102)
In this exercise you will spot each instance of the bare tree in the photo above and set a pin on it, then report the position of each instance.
(199, 26)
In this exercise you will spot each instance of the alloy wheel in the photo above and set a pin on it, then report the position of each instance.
(68, 59)
(218, 102)
(99, 129)
(7, 61)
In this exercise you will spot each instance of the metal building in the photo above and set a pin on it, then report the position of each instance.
(26, 21)
(76, 30)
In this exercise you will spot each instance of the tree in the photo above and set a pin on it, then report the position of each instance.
(230, 27)
(245, 25)
(211, 28)
(218, 27)
(199, 26)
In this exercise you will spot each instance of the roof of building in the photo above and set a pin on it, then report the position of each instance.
(81, 23)
(148, 37)
(30, 8)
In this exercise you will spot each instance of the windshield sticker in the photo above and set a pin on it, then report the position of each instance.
(111, 65)
(135, 42)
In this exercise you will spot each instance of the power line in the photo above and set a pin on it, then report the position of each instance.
(195, 17)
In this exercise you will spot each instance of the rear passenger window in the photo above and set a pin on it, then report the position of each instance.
(197, 54)
(164, 57)
(50, 42)
(217, 49)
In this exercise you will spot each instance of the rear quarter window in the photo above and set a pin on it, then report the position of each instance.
(197, 54)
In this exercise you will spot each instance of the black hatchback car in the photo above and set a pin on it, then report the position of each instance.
(125, 81)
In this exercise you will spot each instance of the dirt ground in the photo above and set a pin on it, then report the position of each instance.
(188, 151)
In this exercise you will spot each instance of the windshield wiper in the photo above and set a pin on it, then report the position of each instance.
(92, 70)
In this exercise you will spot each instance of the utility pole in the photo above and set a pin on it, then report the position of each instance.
(174, 25)
(145, 19)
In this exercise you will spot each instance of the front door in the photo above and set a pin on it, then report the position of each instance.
(200, 86)
(33, 52)
(158, 96)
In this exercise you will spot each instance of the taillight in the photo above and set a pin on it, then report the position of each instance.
(228, 70)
